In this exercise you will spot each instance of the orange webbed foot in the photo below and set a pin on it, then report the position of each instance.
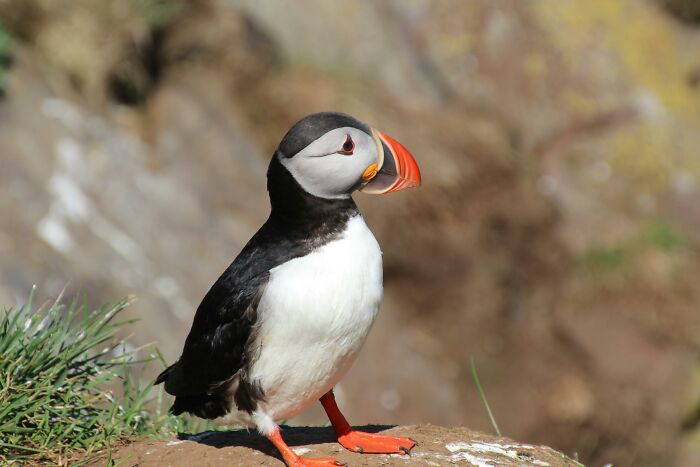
(314, 462)
(292, 459)
(370, 443)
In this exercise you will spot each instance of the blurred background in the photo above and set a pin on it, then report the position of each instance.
(556, 238)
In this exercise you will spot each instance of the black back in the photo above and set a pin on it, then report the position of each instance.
(218, 348)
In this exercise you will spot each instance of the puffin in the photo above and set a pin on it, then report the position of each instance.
(285, 321)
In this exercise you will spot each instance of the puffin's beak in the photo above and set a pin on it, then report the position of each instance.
(394, 170)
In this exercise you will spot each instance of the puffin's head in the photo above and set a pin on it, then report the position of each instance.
(332, 154)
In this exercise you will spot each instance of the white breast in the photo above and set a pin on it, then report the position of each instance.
(314, 315)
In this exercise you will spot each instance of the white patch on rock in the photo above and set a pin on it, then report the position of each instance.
(70, 155)
(71, 198)
(69, 203)
(168, 288)
(117, 239)
(683, 182)
(456, 447)
(301, 451)
(473, 460)
(650, 106)
(52, 230)
(63, 111)
(470, 452)
(174, 442)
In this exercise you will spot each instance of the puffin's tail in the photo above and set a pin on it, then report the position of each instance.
(202, 405)
(174, 379)
(163, 376)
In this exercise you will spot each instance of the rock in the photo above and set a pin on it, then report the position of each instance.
(436, 446)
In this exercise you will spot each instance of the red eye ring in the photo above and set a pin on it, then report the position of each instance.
(348, 147)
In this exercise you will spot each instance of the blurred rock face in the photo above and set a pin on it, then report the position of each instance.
(555, 238)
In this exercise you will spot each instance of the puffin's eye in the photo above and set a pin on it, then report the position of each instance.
(348, 146)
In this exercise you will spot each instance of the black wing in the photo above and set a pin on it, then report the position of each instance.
(217, 348)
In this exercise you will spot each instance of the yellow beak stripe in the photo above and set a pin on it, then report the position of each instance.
(370, 172)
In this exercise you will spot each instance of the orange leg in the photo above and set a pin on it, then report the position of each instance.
(292, 459)
(358, 441)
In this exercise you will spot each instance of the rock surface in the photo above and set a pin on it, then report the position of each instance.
(437, 446)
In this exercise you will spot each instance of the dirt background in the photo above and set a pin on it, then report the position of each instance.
(436, 446)
(555, 238)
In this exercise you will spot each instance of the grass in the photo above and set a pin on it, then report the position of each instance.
(619, 258)
(5, 57)
(67, 386)
(485, 401)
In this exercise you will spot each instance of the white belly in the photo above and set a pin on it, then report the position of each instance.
(315, 314)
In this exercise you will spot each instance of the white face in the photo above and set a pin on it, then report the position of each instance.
(325, 168)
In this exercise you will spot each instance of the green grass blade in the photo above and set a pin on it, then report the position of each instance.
(475, 375)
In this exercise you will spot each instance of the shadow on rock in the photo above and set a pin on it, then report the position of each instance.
(294, 436)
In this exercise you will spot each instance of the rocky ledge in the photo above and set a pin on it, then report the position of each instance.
(437, 446)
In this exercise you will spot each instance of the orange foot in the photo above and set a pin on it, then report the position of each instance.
(314, 462)
(370, 443)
